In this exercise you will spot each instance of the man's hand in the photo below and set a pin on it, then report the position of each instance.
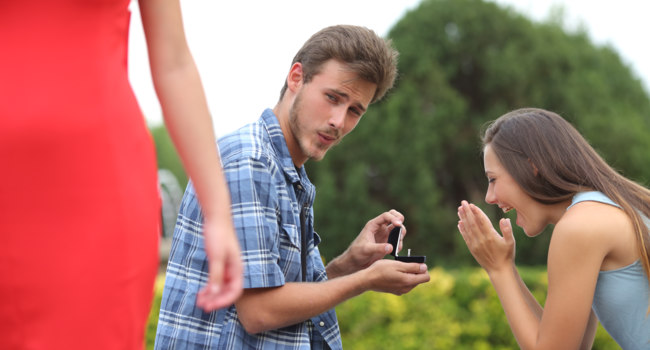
(396, 277)
(225, 268)
(263, 309)
(369, 246)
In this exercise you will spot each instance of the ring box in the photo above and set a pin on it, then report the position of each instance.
(394, 238)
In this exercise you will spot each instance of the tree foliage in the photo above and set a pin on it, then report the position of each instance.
(462, 64)
(166, 154)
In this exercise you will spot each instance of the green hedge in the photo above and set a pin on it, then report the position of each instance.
(152, 323)
(457, 310)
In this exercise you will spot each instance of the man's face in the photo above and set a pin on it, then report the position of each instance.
(326, 109)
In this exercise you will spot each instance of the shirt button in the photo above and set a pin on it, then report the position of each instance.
(299, 186)
(321, 323)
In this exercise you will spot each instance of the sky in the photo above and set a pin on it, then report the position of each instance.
(243, 48)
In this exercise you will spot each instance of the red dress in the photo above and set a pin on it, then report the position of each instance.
(79, 204)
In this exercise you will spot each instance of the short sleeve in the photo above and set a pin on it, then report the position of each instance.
(254, 198)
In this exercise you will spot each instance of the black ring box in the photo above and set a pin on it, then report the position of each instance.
(394, 238)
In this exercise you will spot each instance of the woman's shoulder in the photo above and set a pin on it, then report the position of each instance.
(595, 227)
(593, 217)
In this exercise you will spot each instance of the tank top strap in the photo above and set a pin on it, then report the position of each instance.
(594, 196)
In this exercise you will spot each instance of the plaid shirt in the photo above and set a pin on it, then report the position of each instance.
(267, 193)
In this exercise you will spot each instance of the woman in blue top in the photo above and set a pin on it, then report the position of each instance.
(599, 256)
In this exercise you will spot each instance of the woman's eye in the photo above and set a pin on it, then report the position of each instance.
(491, 180)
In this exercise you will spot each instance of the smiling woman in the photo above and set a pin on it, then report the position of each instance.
(506, 193)
(599, 256)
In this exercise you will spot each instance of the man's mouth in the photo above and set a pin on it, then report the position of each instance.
(327, 139)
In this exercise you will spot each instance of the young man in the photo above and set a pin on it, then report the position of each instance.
(289, 296)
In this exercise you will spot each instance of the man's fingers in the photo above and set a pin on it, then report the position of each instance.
(378, 249)
(397, 215)
(391, 217)
(414, 268)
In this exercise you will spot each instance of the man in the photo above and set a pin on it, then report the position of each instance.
(289, 296)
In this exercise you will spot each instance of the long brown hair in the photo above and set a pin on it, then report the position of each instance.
(566, 164)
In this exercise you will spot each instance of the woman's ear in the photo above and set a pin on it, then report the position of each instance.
(535, 170)
(295, 77)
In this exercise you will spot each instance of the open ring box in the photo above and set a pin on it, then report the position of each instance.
(394, 238)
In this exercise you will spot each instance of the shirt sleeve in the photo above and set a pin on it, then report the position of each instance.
(255, 203)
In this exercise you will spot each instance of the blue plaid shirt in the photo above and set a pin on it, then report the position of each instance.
(268, 194)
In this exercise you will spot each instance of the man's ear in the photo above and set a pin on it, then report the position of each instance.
(535, 170)
(295, 77)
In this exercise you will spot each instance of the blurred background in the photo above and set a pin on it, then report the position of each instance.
(243, 49)
(462, 63)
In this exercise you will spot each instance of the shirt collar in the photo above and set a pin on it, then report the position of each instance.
(272, 126)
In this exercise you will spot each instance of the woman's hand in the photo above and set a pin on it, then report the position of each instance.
(225, 267)
(491, 250)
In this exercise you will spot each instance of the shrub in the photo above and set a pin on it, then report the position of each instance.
(152, 323)
(457, 309)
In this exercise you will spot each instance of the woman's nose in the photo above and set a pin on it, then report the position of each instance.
(490, 198)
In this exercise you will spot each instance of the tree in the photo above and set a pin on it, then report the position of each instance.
(166, 154)
(462, 64)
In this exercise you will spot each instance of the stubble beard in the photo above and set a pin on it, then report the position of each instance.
(299, 133)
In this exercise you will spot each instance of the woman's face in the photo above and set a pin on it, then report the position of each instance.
(506, 193)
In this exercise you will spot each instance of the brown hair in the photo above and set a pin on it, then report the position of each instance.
(566, 164)
(371, 57)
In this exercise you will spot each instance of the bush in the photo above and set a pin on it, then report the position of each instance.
(152, 323)
(457, 309)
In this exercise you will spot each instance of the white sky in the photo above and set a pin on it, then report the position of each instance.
(243, 48)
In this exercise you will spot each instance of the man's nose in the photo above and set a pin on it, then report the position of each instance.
(337, 119)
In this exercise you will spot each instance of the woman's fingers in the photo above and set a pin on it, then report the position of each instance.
(468, 218)
(506, 230)
(483, 222)
(474, 223)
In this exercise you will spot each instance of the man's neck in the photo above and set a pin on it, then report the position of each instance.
(281, 111)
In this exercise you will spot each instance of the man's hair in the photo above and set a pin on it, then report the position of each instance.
(360, 49)
(566, 164)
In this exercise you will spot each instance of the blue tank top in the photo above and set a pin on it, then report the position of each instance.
(621, 295)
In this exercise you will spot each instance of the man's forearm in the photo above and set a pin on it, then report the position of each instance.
(263, 309)
(338, 267)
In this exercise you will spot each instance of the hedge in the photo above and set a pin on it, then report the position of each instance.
(458, 309)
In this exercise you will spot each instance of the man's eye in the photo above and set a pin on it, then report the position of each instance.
(356, 111)
(331, 97)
